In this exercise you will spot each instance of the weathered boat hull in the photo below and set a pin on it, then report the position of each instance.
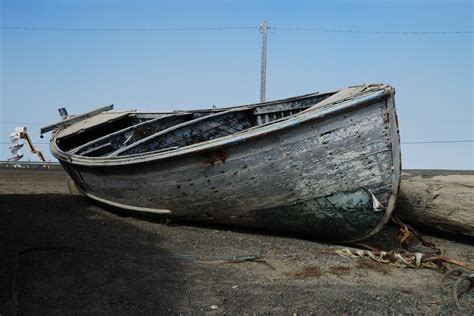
(333, 173)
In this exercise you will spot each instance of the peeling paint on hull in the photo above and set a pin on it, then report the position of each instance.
(313, 172)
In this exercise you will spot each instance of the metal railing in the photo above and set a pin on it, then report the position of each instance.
(30, 164)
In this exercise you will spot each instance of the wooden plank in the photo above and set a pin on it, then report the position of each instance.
(158, 140)
(95, 149)
(75, 119)
(361, 129)
(135, 132)
(288, 105)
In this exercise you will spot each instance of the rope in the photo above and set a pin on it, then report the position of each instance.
(415, 260)
(407, 234)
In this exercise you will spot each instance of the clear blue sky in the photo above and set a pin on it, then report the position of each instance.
(432, 74)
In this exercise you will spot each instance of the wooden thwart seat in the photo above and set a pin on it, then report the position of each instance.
(193, 131)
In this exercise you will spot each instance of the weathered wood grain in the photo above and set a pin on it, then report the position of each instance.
(74, 119)
(185, 131)
(438, 201)
(333, 151)
(133, 133)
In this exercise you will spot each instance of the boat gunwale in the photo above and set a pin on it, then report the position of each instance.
(213, 112)
(305, 116)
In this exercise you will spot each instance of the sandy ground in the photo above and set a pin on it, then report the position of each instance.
(62, 255)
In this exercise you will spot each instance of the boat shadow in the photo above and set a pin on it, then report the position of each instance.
(385, 239)
(64, 256)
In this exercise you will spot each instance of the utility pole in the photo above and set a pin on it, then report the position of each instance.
(263, 70)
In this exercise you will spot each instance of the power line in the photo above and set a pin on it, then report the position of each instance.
(219, 28)
(95, 29)
(22, 123)
(367, 32)
(439, 142)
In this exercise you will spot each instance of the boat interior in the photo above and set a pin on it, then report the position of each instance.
(136, 133)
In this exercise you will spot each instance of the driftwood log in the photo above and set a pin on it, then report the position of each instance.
(438, 200)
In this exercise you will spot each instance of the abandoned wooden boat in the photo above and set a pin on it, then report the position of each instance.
(325, 164)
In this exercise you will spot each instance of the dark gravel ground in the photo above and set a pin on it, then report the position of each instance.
(62, 255)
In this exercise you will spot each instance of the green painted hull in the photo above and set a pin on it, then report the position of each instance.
(342, 216)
